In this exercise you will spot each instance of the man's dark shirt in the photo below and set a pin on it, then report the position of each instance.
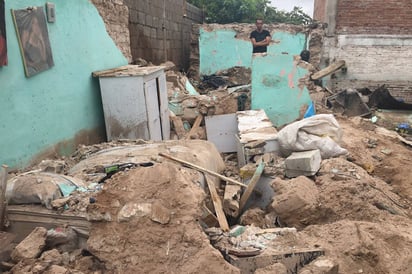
(259, 36)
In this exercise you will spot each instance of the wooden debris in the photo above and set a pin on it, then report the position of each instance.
(208, 218)
(256, 144)
(328, 70)
(109, 71)
(195, 126)
(178, 125)
(251, 185)
(217, 204)
(199, 168)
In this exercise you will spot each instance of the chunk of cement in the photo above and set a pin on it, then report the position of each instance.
(305, 163)
(322, 265)
(31, 246)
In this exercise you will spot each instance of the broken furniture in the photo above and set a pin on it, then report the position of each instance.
(135, 103)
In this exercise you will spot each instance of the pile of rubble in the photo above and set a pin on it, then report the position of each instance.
(326, 194)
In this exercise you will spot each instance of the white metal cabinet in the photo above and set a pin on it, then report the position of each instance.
(135, 103)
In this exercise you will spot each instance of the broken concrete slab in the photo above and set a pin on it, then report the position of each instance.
(31, 246)
(293, 260)
(277, 268)
(305, 163)
(254, 127)
(322, 265)
(52, 257)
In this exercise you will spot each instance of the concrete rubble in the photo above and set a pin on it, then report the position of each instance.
(324, 194)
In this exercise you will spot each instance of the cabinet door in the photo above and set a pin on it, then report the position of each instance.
(152, 107)
(164, 106)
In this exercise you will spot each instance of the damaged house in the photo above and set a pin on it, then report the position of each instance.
(114, 160)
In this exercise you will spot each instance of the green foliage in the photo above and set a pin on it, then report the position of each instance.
(246, 11)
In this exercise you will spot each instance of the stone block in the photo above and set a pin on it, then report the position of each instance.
(31, 246)
(322, 265)
(306, 163)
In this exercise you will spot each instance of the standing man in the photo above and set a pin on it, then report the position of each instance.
(260, 38)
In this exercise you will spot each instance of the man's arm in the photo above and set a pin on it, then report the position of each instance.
(264, 42)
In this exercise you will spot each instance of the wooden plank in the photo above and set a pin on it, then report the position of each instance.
(208, 218)
(196, 124)
(251, 185)
(164, 106)
(177, 125)
(328, 70)
(109, 71)
(217, 204)
(3, 202)
(199, 168)
(152, 108)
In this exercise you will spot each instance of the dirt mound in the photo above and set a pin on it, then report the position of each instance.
(381, 156)
(143, 244)
(364, 247)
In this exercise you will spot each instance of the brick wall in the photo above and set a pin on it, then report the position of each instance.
(374, 37)
(160, 30)
(115, 15)
(374, 17)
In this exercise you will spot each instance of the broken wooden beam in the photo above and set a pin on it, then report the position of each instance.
(208, 218)
(251, 185)
(178, 125)
(195, 126)
(328, 70)
(3, 202)
(231, 200)
(199, 168)
(217, 203)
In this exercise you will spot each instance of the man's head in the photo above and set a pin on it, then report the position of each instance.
(259, 24)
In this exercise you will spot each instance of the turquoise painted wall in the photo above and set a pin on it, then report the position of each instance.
(220, 49)
(274, 76)
(56, 104)
(276, 89)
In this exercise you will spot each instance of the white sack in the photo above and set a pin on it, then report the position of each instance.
(320, 131)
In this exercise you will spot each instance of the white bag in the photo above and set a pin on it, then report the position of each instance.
(320, 131)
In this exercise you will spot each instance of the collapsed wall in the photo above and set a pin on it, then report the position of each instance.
(235, 48)
(374, 39)
(115, 15)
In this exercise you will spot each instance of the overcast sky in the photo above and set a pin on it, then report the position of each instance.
(287, 5)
